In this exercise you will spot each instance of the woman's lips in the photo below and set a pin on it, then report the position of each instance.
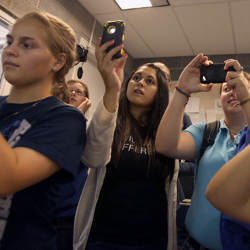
(138, 91)
(10, 64)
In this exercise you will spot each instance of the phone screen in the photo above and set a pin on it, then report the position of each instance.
(213, 73)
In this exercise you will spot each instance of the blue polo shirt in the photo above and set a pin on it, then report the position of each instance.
(235, 234)
(203, 220)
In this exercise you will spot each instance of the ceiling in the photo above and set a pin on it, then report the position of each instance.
(184, 28)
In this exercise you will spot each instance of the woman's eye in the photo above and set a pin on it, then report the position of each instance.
(150, 81)
(27, 45)
(7, 43)
(136, 78)
(79, 92)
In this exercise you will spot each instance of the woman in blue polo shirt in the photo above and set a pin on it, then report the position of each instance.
(202, 220)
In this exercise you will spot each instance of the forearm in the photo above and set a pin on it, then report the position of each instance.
(8, 161)
(169, 129)
(99, 137)
(111, 99)
(229, 189)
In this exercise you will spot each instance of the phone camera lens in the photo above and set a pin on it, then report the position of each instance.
(111, 29)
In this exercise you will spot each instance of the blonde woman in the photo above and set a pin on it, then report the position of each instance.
(41, 138)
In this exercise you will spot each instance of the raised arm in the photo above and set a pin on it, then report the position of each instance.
(101, 128)
(170, 141)
(240, 82)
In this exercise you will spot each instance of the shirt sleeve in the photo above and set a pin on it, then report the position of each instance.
(60, 136)
(245, 138)
(100, 134)
(196, 131)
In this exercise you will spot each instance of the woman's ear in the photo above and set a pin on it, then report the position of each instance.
(59, 62)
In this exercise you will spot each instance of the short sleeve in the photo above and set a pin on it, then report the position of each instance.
(60, 135)
(196, 131)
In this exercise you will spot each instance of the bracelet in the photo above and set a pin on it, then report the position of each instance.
(182, 92)
(245, 100)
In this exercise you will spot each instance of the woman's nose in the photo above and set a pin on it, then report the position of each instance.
(11, 50)
(232, 92)
(141, 82)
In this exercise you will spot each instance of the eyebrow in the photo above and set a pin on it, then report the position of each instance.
(23, 38)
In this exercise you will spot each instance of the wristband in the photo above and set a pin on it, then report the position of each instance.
(245, 100)
(182, 92)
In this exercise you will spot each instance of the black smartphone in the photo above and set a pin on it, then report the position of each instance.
(114, 30)
(214, 73)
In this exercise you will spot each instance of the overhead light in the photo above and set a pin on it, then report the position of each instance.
(133, 4)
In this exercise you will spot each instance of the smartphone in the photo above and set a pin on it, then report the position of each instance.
(114, 30)
(214, 73)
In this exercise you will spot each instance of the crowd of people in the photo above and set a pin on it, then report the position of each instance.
(111, 185)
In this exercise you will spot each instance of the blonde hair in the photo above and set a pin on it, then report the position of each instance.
(60, 39)
(61, 92)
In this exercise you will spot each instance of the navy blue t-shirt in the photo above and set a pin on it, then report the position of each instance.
(57, 131)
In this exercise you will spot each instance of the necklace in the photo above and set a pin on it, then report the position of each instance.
(232, 133)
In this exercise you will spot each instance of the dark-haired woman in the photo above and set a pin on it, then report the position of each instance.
(131, 212)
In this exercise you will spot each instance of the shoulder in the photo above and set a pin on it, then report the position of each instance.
(196, 131)
(196, 128)
(52, 121)
(52, 108)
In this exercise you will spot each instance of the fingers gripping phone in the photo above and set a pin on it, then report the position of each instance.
(214, 73)
(114, 30)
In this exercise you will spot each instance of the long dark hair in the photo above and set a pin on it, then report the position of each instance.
(127, 125)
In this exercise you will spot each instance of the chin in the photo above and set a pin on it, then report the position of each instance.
(74, 103)
(236, 109)
(13, 82)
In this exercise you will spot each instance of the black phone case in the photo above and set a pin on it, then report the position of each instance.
(213, 73)
(118, 35)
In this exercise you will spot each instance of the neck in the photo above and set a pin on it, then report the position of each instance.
(235, 122)
(29, 93)
(139, 113)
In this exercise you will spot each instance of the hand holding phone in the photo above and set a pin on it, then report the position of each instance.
(214, 73)
(114, 30)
